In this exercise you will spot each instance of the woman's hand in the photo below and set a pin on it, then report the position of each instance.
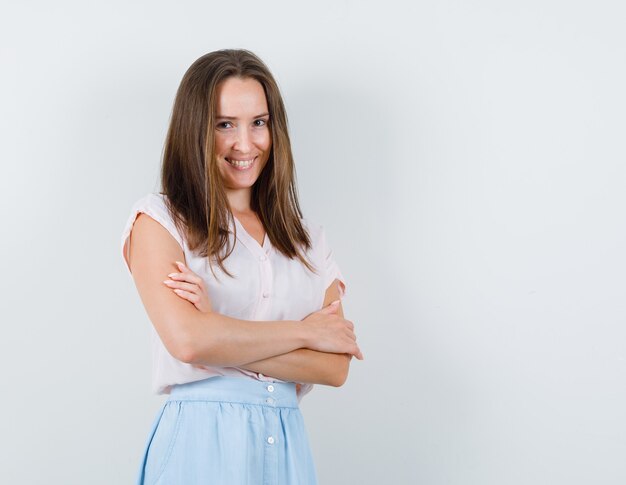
(332, 333)
(189, 286)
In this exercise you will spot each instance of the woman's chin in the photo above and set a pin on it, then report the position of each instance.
(239, 183)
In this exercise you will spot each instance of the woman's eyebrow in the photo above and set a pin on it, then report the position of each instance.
(225, 117)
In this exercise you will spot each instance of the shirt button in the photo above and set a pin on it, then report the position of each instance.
(270, 440)
(270, 388)
(262, 258)
(266, 294)
(269, 400)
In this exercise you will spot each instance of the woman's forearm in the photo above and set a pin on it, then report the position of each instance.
(305, 365)
(213, 339)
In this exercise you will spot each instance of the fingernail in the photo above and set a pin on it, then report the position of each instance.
(168, 282)
(180, 264)
(172, 275)
(335, 302)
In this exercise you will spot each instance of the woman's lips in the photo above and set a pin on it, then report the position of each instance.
(244, 164)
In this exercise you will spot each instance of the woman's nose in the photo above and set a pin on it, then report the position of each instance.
(242, 141)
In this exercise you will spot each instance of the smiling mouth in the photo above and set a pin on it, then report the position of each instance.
(241, 164)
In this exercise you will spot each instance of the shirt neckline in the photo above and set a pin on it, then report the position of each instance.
(248, 241)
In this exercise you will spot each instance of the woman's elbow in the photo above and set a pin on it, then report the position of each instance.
(185, 354)
(197, 340)
(182, 349)
(338, 380)
(340, 374)
(184, 346)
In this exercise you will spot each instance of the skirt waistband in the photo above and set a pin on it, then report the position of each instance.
(237, 390)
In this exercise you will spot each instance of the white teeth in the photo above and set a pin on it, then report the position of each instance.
(241, 163)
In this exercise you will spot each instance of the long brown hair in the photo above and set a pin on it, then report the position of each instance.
(190, 176)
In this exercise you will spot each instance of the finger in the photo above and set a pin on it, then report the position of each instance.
(188, 276)
(331, 308)
(349, 331)
(328, 310)
(192, 288)
(183, 268)
(357, 353)
(192, 297)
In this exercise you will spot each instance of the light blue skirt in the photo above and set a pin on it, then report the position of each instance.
(229, 431)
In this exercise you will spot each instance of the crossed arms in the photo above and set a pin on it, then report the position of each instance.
(316, 350)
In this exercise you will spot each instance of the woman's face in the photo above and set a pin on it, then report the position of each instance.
(242, 136)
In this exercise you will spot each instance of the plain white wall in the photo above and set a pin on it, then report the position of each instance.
(468, 162)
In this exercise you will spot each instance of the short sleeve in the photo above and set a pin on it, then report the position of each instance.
(331, 269)
(154, 206)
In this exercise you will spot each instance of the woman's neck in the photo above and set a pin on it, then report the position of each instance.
(239, 200)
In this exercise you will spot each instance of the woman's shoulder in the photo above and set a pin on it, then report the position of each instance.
(323, 251)
(315, 230)
(154, 205)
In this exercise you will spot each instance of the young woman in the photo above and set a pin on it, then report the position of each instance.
(243, 292)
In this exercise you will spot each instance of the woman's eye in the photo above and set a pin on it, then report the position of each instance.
(224, 124)
(260, 122)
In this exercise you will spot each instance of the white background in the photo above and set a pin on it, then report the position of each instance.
(467, 160)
